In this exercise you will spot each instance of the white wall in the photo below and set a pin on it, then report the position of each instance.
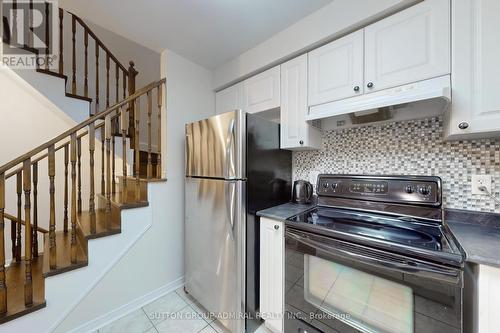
(328, 23)
(157, 259)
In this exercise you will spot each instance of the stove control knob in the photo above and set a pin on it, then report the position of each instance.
(409, 189)
(335, 185)
(326, 185)
(424, 190)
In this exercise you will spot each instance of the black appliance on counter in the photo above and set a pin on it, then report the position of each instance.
(375, 255)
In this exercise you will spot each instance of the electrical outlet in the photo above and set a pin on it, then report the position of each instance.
(481, 180)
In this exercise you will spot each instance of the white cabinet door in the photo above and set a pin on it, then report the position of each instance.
(410, 46)
(475, 109)
(488, 284)
(296, 132)
(262, 91)
(272, 265)
(336, 70)
(229, 99)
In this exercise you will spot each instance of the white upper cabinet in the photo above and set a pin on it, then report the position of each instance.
(475, 109)
(296, 132)
(410, 46)
(262, 91)
(336, 70)
(229, 99)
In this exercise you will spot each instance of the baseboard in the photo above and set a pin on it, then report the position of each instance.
(125, 309)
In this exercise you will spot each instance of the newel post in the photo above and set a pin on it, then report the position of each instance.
(132, 73)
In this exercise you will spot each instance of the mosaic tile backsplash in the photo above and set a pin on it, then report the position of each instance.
(413, 147)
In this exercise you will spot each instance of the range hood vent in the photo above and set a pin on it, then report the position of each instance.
(379, 105)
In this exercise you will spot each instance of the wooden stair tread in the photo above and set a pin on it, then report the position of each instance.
(15, 289)
(104, 224)
(51, 73)
(83, 98)
(63, 254)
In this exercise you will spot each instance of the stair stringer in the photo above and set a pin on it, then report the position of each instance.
(54, 89)
(63, 292)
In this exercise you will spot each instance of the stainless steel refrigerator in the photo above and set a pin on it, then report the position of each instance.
(234, 168)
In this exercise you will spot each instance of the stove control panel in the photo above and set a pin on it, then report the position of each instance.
(424, 190)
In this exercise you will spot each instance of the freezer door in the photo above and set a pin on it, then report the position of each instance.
(215, 146)
(215, 246)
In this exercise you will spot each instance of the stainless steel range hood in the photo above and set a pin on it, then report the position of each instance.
(373, 106)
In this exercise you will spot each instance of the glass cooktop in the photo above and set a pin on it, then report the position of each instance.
(380, 228)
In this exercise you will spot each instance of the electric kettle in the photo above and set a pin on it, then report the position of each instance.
(302, 192)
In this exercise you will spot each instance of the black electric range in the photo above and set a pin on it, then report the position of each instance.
(373, 230)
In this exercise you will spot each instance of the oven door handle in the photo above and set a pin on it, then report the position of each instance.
(443, 274)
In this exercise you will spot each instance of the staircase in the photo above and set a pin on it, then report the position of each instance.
(84, 216)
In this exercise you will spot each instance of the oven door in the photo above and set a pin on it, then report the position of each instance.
(336, 286)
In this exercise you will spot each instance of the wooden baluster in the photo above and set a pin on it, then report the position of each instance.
(14, 40)
(150, 112)
(113, 160)
(61, 41)
(52, 219)
(86, 52)
(96, 77)
(132, 73)
(117, 84)
(103, 161)
(124, 85)
(123, 120)
(137, 156)
(158, 159)
(13, 229)
(73, 30)
(35, 210)
(66, 186)
(79, 163)
(28, 282)
(30, 26)
(107, 80)
(19, 183)
(92, 180)
(3, 284)
(47, 42)
(107, 126)
(73, 198)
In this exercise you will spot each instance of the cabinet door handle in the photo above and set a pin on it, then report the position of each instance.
(463, 125)
(356, 88)
(301, 142)
(370, 85)
(276, 227)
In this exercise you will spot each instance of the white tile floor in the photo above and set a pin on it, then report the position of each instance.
(176, 312)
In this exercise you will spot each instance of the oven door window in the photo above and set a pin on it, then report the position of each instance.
(362, 300)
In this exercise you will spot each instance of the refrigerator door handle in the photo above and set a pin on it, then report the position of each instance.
(230, 166)
(230, 206)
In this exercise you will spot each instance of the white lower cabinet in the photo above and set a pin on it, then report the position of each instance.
(272, 265)
(475, 108)
(488, 284)
(296, 132)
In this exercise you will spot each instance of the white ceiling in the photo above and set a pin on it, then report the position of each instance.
(208, 32)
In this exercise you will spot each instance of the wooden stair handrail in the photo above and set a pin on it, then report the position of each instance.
(66, 134)
(42, 157)
(14, 219)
